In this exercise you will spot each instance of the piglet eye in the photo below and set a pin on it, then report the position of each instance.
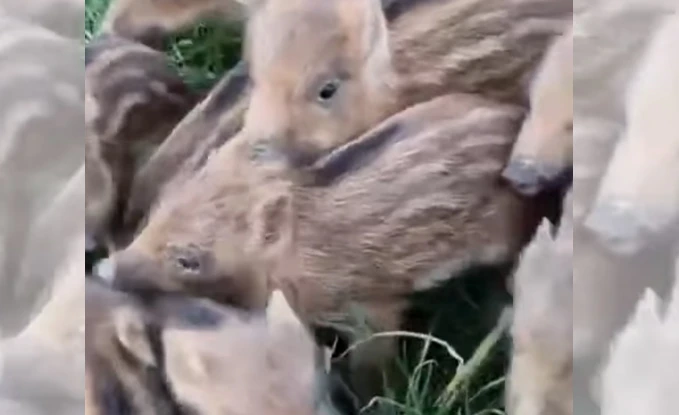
(328, 90)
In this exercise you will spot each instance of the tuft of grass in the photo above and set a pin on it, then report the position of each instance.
(456, 369)
(201, 54)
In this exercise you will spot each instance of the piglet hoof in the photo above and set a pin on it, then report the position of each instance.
(530, 178)
(618, 227)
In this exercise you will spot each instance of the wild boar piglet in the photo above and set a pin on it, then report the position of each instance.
(324, 72)
(223, 361)
(116, 380)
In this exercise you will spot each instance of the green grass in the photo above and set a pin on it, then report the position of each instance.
(201, 54)
(460, 368)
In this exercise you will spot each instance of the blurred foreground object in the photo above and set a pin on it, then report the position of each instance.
(64, 17)
(41, 147)
(639, 196)
(641, 376)
(42, 192)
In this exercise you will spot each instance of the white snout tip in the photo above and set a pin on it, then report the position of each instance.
(105, 270)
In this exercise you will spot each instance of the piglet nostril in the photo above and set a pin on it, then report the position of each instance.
(523, 177)
(530, 178)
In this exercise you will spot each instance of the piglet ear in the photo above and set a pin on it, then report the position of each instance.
(280, 313)
(272, 224)
(374, 35)
(130, 326)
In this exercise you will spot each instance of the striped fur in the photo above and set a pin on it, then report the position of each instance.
(419, 192)
(270, 358)
(211, 357)
(230, 99)
(116, 381)
(134, 100)
(427, 49)
(209, 125)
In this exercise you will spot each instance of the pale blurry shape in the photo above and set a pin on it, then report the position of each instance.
(15, 408)
(41, 207)
(641, 376)
(611, 38)
(639, 200)
(41, 147)
(44, 365)
(64, 17)
(60, 221)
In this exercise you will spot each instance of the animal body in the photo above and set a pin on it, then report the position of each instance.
(543, 153)
(637, 203)
(205, 128)
(177, 355)
(271, 358)
(401, 209)
(325, 72)
(133, 101)
(117, 381)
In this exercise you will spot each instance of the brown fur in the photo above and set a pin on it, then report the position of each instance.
(209, 125)
(99, 190)
(148, 21)
(427, 49)
(115, 381)
(133, 100)
(415, 201)
(223, 361)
